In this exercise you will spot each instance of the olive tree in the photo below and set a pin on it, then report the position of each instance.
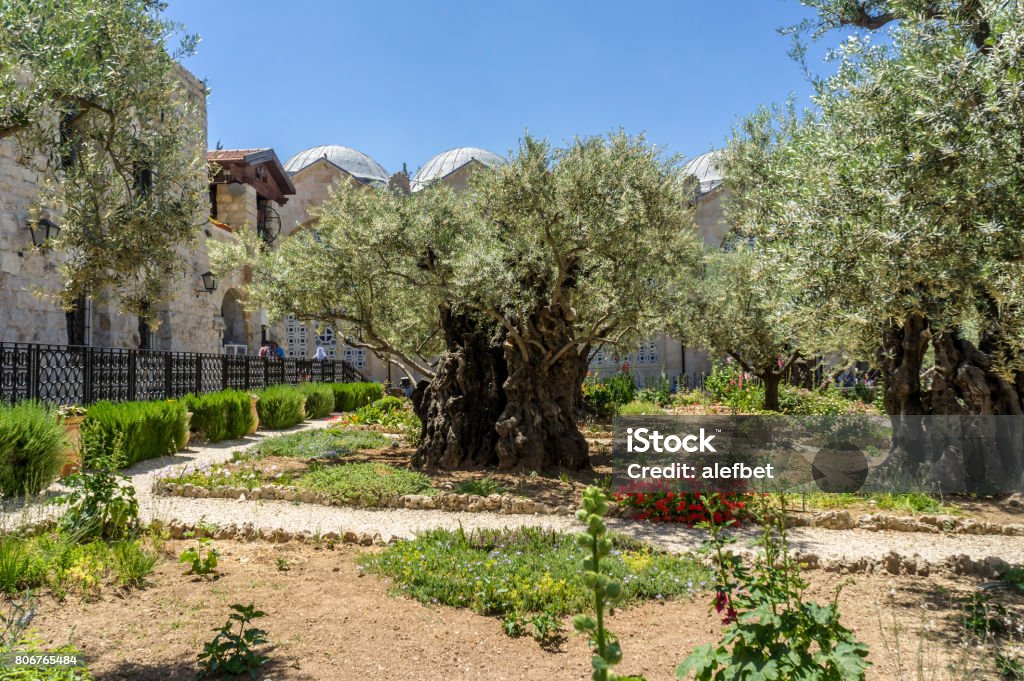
(93, 102)
(498, 294)
(898, 201)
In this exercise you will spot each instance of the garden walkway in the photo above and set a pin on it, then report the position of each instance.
(844, 545)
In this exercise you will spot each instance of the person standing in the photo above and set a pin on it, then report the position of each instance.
(320, 354)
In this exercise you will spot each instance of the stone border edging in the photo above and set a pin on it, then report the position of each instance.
(933, 524)
(445, 501)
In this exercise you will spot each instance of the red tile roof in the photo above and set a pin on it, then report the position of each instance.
(230, 154)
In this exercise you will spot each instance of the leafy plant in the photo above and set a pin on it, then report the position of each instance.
(31, 448)
(984, 617)
(230, 652)
(481, 487)
(102, 501)
(606, 590)
(659, 393)
(281, 406)
(133, 563)
(198, 563)
(772, 633)
(319, 399)
(16, 566)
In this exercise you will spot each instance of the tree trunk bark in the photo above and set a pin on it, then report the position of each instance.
(771, 382)
(461, 404)
(537, 429)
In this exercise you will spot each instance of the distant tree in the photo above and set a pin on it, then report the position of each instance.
(510, 285)
(94, 104)
(898, 200)
(734, 306)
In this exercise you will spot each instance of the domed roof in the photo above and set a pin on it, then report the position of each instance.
(705, 170)
(446, 163)
(353, 162)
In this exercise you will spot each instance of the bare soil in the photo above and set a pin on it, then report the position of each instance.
(328, 622)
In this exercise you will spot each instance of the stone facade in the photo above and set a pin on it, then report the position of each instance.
(189, 320)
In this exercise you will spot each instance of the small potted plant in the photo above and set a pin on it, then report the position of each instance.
(71, 416)
(255, 414)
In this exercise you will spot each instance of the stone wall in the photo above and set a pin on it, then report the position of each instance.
(189, 320)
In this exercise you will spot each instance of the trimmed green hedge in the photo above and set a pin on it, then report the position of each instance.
(281, 406)
(319, 399)
(224, 415)
(351, 396)
(150, 429)
(31, 448)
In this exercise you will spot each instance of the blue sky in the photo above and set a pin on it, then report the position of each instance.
(402, 81)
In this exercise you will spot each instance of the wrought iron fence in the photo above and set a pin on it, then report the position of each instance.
(70, 374)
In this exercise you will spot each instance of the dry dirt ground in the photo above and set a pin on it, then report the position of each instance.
(328, 622)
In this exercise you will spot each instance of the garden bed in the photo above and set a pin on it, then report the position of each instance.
(326, 619)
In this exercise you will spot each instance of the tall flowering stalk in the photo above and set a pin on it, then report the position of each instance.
(604, 644)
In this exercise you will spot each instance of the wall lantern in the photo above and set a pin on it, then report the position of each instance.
(43, 231)
(209, 282)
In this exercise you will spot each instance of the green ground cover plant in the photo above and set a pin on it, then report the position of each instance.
(327, 442)
(363, 484)
(63, 563)
(640, 408)
(519, 574)
(146, 429)
(235, 473)
(31, 448)
(319, 399)
(351, 396)
(224, 415)
(280, 406)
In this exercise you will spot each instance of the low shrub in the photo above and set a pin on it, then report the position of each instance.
(327, 442)
(351, 396)
(828, 401)
(319, 399)
(364, 484)
(31, 448)
(281, 406)
(660, 393)
(224, 415)
(690, 508)
(483, 487)
(147, 429)
(515, 574)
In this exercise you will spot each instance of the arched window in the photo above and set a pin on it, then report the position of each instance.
(328, 341)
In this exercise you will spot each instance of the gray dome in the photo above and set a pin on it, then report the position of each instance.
(446, 163)
(353, 162)
(705, 170)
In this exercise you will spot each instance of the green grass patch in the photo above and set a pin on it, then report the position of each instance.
(237, 473)
(364, 484)
(905, 502)
(638, 408)
(320, 443)
(519, 574)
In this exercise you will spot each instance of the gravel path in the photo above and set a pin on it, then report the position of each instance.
(846, 545)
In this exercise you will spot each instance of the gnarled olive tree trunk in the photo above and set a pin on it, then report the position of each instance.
(964, 382)
(461, 403)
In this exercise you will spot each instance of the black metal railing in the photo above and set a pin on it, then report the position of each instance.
(71, 374)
